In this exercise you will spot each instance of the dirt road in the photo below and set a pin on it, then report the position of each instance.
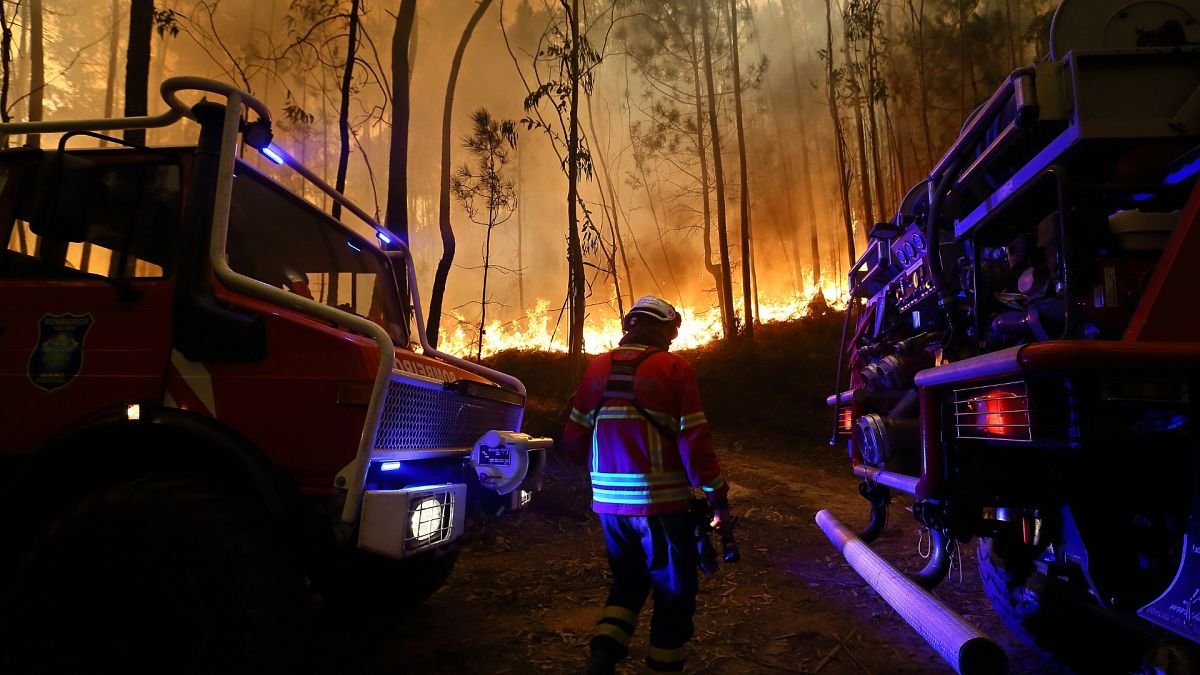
(528, 588)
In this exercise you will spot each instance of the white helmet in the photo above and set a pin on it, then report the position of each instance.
(654, 308)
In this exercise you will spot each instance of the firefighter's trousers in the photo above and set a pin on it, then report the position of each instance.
(649, 553)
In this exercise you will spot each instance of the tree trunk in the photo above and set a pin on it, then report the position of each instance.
(395, 217)
(806, 190)
(23, 60)
(838, 135)
(344, 110)
(713, 268)
(158, 105)
(789, 203)
(110, 91)
(917, 20)
(864, 168)
(611, 207)
(641, 167)
(747, 258)
(5, 65)
(575, 282)
(449, 246)
(872, 123)
(37, 69)
(726, 288)
(520, 233)
(137, 65)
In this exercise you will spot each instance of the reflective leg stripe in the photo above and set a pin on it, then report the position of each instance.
(616, 624)
(621, 614)
(611, 631)
(661, 660)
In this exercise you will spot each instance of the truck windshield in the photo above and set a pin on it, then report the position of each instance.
(281, 240)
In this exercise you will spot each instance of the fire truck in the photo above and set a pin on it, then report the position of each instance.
(1021, 359)
(213, 402)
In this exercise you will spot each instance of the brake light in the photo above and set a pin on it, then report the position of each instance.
(994, 412)
(845, 420)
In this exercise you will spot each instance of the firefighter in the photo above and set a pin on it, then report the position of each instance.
(637, 420)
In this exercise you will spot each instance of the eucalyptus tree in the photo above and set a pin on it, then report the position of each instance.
(669, 46)
(563, 67)
(833, 76)
(447, 231)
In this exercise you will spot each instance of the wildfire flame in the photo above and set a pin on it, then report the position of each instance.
(544, 328)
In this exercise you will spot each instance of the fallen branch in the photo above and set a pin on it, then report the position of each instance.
(846, 648)
(833, 652)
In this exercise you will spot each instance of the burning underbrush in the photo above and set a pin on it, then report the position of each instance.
(774, 385)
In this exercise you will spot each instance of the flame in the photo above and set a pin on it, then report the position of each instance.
(545, 327)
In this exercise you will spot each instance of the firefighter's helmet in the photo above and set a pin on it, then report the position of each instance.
(653, 308)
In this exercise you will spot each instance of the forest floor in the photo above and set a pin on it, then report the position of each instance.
(528, 587)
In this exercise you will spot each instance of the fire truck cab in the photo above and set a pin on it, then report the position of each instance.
(213, 399)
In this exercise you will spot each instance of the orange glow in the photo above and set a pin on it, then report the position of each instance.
(1004, 412)
(544, 328)
(846, 420)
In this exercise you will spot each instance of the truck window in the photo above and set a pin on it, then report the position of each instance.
(281, 240)
(127, 215)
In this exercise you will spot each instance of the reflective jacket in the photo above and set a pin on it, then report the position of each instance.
(636, 468)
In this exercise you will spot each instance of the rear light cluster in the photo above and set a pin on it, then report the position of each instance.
(846, 420)
(999, 412)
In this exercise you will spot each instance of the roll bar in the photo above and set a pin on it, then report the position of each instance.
(235, 100)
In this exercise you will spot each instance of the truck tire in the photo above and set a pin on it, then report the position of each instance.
(154, 575)
(1048, 615)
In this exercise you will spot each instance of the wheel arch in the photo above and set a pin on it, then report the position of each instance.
(116, 444)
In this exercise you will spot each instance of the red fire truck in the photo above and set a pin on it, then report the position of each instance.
(212, 402)
(1023, 355)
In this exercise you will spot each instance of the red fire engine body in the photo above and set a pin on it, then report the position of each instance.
(1023, 354)
(211, 393)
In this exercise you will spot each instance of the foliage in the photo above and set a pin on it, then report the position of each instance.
(553, 59)
(487, 196)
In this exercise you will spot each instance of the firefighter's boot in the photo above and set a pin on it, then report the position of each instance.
(602, 662)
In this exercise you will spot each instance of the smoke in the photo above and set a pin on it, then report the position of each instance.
(646, 182)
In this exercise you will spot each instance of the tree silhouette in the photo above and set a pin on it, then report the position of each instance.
(485, 194)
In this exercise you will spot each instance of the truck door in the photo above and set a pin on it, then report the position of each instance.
(85, 286)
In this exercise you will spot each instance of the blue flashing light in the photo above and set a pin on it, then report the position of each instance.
(383, 236)
(351, 245)
(1183, 173)
(272, 154)
(1143, 196)
(389, 466)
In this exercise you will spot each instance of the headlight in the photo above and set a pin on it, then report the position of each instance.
(429, 519)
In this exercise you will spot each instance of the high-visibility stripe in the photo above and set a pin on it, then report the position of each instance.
(654, 451)
(636, 492)
(622, 613)
(693, 420)
(620, 411)
(611, 631)
(640, 496)
(714, 484)
(615, 412)
(581, 418)
(636, 479)
(666, 655)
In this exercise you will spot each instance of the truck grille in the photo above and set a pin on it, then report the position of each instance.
(993, 412)
(418, 416)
